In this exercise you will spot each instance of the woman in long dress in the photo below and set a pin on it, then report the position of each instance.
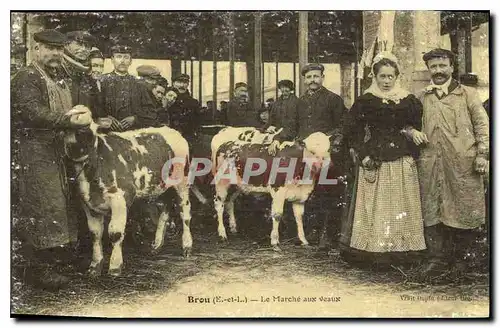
(384, 215)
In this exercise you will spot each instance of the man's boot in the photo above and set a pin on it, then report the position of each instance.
(436, 265)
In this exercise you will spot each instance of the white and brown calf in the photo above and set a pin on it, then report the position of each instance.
(241, 147)
(115, 169)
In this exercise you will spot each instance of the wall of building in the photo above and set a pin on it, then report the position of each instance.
(480, 58)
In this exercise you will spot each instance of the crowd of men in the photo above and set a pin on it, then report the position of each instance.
(67, 71)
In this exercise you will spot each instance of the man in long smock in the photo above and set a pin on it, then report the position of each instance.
(451, 165)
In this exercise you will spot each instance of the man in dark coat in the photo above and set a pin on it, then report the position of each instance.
(239, 112)
(96, 66)
(76, 63)
(284, 112)
(184, 113)
(155, 87)
(41, 96)
(321, 110)
(124, 100)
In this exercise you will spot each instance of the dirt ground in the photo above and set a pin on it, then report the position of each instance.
(247, 278)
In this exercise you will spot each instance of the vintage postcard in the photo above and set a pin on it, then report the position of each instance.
(239, 164)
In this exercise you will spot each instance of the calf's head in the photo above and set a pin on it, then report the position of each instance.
(80, 138)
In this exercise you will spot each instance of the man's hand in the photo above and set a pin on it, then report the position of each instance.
(128, 122)
(414, 135)
(271, 129)
(115, 124)
(273, 147)
(481, 165)
(104, 122)
(368, 163)
(419, 137)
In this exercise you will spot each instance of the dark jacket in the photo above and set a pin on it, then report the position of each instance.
(30, 102)
(241, 115)
(84, 90)
(284, 114)
(184, 115)
(321, 111)
(374, 127)
(123, 96)
(151, 109)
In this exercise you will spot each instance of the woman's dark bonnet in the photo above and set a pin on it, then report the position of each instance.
(385, 62)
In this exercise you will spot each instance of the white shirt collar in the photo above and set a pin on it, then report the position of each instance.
(443, 87)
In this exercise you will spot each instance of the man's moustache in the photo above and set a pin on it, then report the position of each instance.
(439, 75)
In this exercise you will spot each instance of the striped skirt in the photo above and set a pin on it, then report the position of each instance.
(387, 211)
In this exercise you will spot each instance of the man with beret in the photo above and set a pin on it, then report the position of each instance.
(184, 113)
(41, 97)
(76, 64)
(451, 166)
(125, 101)
(239, 112)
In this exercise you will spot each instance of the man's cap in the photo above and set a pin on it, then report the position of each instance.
(438, 53)
(120, 49)
(149, 71)
(182, 77)
(312, 67)
(50, 37)
(95, 53)
(286, 84)
(81, 36)
(162, 81)
(240, 85)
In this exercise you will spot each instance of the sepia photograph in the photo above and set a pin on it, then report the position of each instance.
(250, 164)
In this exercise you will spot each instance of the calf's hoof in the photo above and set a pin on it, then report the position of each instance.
(95, 270)
(277, 248)
(222, 240)
(115, 272)
(187, 252)
(233, 230)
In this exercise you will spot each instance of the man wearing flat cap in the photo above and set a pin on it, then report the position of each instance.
(96, 66)
(41, 99)
(149, 74)
(321, 110)
(283, 111)
(239, 111)
(451, 166)
(184, 113)
(76, 63)
(125, 101)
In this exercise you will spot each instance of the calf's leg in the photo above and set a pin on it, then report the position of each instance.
(276, 215)
(220, 199)
(185, 212)
(160, 230)
(96, 227)
(298, 212)
(230, 211)
(116, 231)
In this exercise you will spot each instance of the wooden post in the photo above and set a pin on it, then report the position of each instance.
(277, 75)
(257, 100)
(192, 77)
(214, 63)
(303, 47)
(295, 76)
(200, 67)
(231, 54)
(33, 25)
